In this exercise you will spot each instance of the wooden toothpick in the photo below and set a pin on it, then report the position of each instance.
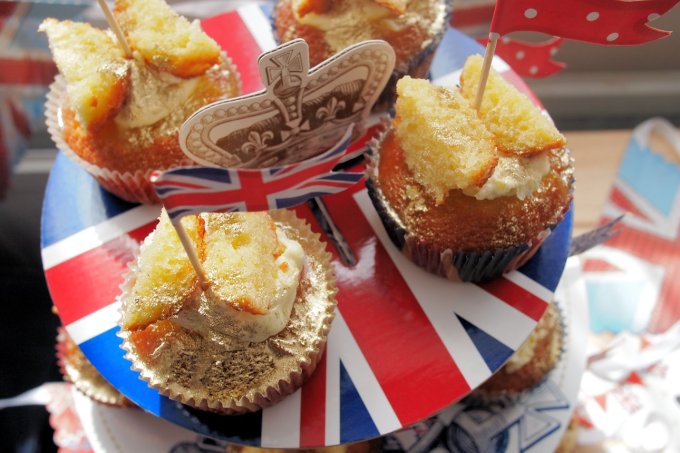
(486, 67)
(115, 27)
(191, 253)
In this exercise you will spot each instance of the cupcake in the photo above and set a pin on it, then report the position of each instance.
(76, 369)
(413, 28)
(118, 115)
(529, 365)
(469, 195)
(256, 331)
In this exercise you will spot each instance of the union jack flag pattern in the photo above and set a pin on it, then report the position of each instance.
(404, 344)
(191, 190)
(634, 278)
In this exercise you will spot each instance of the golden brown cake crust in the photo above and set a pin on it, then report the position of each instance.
(287, 28)
(463, 223)
(407, 42)
(569, 440)
(519, 126)
(165, 39)
(445, 144)
(98, 81)
(156, 146)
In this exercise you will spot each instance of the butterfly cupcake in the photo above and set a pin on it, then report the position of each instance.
(469, 194)
(253, 333)
(118, 115)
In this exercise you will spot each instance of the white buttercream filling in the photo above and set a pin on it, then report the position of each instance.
(513, 176)
(290, 264)
(233, 327)
(152, 95)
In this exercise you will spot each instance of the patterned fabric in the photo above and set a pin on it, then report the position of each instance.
(629, 397)
(634, 282)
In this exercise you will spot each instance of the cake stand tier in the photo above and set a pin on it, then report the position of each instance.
(404, 345)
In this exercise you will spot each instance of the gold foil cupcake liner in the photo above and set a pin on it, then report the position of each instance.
(205, 374)
(135, 186)
(76, 369)
(455, 265)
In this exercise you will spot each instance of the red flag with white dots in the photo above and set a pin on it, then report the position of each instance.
(607, 22)
(529, 59)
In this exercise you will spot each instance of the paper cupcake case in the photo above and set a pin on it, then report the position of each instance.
(290, 371)
(135, 186)
(85, 378)
(107, 429)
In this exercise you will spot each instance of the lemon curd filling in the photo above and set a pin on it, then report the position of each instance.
(513, 176)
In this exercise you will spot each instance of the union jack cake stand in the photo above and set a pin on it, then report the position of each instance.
(404, 344)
